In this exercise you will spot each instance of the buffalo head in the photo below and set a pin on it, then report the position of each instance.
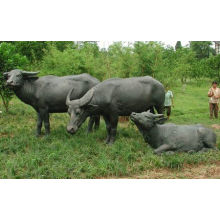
(146, 120)
(78, 110)
(15, 78)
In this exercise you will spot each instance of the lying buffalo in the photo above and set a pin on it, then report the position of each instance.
(170, 137)
(47, 94)
(115, 97)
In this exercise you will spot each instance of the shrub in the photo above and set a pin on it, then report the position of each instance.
(9, 59)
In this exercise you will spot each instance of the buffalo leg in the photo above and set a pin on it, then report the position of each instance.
(97, 122)
(204, 149)
(152, 110)
(113, 132)
(44, 114)
(160, 109)
(47, 123)
(90, 124)
(210, 145)
(163, 148)
(39, 124)
(108, 128)
(94, 120)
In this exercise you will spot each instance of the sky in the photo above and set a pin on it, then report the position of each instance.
(106, 44)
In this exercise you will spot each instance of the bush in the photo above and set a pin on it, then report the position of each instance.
(62, 63)
(140, 59)
(9, 59)
(72, 61)
(214, 64)
(33, 50)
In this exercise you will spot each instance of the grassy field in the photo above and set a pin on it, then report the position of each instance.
(61, 155)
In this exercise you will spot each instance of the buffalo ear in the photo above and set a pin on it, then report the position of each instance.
(91, 107)
(5, 75)
(30, 75)
(160, 121)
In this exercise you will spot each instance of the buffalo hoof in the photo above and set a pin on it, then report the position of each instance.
(96, 127)
(204, 150)
(169, 153)
(38, 135)
(109, 143)
(191, 152)
(107, 140)
(215, 149)
(157, 152)
(89, 131)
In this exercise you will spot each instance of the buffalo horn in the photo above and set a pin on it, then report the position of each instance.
(68, 101)
(26, 73)
(86, 98)
(158, 116)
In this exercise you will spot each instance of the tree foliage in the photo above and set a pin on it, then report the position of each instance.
(167, 64)
(178, 45)
(214, 64)
(9, 59)
(33, 50)
(202, 49)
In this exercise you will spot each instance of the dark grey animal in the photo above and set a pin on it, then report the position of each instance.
(170, 137)
(116, 97)
(47, 94)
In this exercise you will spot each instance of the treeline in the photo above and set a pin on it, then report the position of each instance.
(139, 59)
(167, 64)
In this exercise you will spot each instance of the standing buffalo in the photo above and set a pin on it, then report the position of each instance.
(47, 94)
(115, 97)
(170, 137)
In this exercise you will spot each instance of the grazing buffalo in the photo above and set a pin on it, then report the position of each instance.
(115, 97)
(170, 137)
(47, 94)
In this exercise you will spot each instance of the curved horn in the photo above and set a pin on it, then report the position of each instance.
(86, 98)
(5, 74)
(29, 73)
(68, 101)
(158, 116)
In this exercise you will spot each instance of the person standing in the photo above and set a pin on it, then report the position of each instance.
(214, 95)
(168, 102)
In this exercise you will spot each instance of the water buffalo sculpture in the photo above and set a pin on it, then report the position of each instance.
(115, 97)
(47, 94)
(170, 137)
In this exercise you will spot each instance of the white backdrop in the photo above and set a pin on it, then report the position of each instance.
(157, 20)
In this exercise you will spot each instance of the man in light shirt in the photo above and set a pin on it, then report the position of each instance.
(168, 102)
(214, 95)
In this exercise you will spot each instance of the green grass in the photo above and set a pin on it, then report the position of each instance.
(61, 155)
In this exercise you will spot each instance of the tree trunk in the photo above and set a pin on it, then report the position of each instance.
(5, 103)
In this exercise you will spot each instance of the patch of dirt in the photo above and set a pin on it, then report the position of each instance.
(216, 126)
(6, 135)
(123, 119)
(210, 171)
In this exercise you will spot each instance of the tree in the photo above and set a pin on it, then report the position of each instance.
(9, 59)
(62, 45)
(214, 64)
(185, 58)
(178, 45)
(83, 59)
(202, 49)
(122, 59)
(33, 50)
(144, 60)
(149, 58)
